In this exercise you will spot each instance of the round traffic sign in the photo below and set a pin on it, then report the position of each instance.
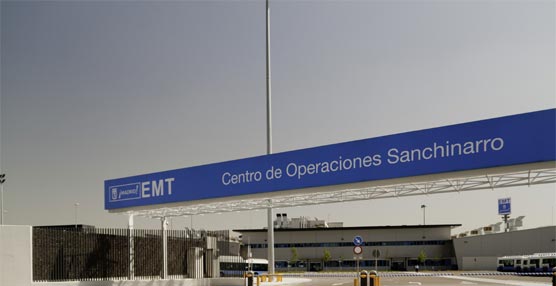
(357, 240)
(357, 250)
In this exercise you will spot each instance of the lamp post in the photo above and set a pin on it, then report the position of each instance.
(2, 180)
(75, 213)
(424, 207)
(270, 223)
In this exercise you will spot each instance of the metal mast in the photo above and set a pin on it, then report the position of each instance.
(270, 236)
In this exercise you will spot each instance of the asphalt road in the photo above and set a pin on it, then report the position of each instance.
(422, 281)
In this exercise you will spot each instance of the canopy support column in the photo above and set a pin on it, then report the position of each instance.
(270, 239)
(164, 221)
(131, 273)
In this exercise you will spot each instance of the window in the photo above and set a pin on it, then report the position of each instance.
(371, 263)
(550, 261)
(350, 244)
(535, 262)
(332, 264)
(507, 262)
(348, 263)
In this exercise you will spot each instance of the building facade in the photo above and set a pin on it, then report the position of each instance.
(481, 251)
(332, 248)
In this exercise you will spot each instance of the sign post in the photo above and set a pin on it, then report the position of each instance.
(376, 255)
(505, 209)
(358, 249)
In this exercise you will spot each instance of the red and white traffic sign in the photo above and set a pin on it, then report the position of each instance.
(357, 250)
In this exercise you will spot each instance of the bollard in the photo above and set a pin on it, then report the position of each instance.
(554, 276)
(249, 275)
(355, 282)
(364, 278)
(374, 280)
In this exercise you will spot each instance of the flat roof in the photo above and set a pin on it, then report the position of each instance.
(351, 228)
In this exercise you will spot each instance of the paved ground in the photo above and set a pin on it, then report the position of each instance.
(422, 280)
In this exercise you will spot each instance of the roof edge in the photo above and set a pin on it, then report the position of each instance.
(351, 228)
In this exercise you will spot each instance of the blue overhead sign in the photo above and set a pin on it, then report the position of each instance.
(511, 140)
(504, 206)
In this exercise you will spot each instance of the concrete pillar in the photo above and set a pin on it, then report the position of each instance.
(131, 273)
(164, 222)
(211, 258)
(195, 262)
(270, 239)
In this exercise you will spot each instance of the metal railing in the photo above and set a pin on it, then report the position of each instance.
(89, 254)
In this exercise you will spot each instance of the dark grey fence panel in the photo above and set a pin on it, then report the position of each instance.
(64, 254)
(177, 253)
(79, 254)
(148, 253)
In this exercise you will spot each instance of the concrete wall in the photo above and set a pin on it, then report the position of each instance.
(16, 255)
(482, 250)
(478, 263)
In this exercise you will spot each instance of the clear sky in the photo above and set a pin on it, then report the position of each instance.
(95, 90)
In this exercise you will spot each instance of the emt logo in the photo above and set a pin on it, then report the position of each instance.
(141, 190)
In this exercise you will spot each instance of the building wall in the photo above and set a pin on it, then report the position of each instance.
(394, 243)
(478, 263)
(15, 255)
(480, 252)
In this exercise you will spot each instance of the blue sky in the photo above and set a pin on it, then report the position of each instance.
(94, 90)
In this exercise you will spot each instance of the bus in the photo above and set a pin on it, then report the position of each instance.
(257, 265)
(541, 262)
(537, 262)
(236, 266)
(514, 263)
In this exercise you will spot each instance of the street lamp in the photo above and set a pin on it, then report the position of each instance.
(75, 214)
(2, 180)
(424, 207)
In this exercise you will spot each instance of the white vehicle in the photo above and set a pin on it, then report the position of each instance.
(513, 263)
(542, 262)
(257, 265)
(538, 262)
(236, 266)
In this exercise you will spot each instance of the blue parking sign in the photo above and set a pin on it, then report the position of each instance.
(504, 206)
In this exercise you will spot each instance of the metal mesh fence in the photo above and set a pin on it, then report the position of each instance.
(147, 253)
(66, 254)
(105, 253)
